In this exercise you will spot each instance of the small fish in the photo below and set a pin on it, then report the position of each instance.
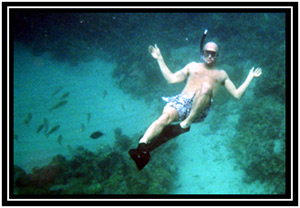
(28, 119)
(26, 122)
(16, 137)
(71, 150)
(53, 130)
(40, 127)
(123, 108)
(46, 126)
(96, 134)
(104, 93)
(196, 176)
(82, 126)
(57, 90)
(65, 95)
(88, 117)
(59, 139)
(58, 105)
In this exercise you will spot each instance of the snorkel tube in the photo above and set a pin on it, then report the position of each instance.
(202, 42)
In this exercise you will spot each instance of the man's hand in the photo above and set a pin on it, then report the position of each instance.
(154, 51)
(256, 72)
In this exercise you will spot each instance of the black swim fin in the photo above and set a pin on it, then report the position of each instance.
(141, 155)
(169, 132)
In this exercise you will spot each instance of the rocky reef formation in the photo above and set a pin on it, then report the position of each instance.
(260, 143)
(107, 171)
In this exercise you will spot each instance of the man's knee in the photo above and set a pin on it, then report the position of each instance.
(165, 119)
(208, 92)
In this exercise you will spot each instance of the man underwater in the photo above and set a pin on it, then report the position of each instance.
(192, 104)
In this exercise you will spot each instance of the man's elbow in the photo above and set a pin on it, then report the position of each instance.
(172, 81)
(169, 81)
(237, 96)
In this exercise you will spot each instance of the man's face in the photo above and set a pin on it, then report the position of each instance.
(210, 57)
(210, 53)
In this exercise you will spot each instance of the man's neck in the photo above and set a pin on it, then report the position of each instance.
(209, 66)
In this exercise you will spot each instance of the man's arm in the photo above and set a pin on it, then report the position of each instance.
(237, 93)
(171, 78)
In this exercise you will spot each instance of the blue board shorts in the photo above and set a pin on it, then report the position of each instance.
(183, 104)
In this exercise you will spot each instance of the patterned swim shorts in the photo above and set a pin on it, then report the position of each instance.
(183, 104)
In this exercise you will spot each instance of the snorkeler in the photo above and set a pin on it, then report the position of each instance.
(192, 104)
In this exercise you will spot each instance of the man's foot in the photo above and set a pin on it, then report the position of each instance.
(185, 125)
(140, 155)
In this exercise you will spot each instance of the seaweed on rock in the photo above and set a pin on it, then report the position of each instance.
(259, 144)
(110, 172)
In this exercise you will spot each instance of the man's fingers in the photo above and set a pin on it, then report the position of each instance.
(258, 71)
(150, 49)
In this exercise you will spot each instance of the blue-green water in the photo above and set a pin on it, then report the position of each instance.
(117, 91)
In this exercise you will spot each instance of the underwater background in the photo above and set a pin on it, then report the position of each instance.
(75, 74)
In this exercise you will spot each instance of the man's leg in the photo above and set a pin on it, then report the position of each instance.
(168, 116)
(141, 155)
(201, 100)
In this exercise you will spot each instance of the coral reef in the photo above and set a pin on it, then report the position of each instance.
(259, 144)
(107, 171)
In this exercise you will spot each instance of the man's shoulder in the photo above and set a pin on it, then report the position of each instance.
(221, 72)
(193, 64)
(222, 75)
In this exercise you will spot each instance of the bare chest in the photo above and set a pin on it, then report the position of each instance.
(212, 77)
(199, 76)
